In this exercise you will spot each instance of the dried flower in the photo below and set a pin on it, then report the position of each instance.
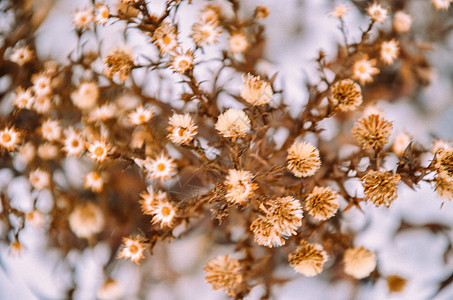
(9, 138)
(308, 259)
(444, 162)
(165, 37)
(42, 104)
(98, 150)
(266, 234)
(182, 62)
(285, 213)
(21, 55)
(205, 33)
(402, 140)
(223, 273)
(282, 217)
(27, 152)
(73, 143)
(141, 115)
(162, 167)
(303, 159)
(16, 248)
(440, 145)
(441, 4)
(364, 69)
(39, 179)
(339, 11)
(377, 13)
(119, 63)
(94, 181)
(444, 186)
(372, 131)
(396, 283)
(102, 14)
(402, 22)
(389, 51)
(86, 95)
(346, 95)
(322, 203)
(103, 113)
(86, 220)
(23, 99)
(41, 84)
(35, 218)
(238, 42)
(83, 17)
(359, 262)
(51, 130)
(239, 186)
(132, 249)
(149, 198)
(163, 211)
(48, 151)
(110, 290)
(233, 123)
(256, 91)
(182, 129)
(380, 187)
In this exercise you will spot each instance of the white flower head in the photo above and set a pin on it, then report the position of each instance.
(256, 91)
(233, 123)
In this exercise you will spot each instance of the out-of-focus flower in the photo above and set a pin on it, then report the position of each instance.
(372, 131)
(42, 104)
(400, 143)
(380, 187)
(39, 179)
(308, 259)
(322, 203)
(389, 51)
(51, 130)
(110, 290)
(132, 249)
(41, 84)
(256, 91)
(339, 11)
(303, 159)
(165, 37)
(238, 42)
(233, 123)
(83, 17)
(364, 69)
(9, 138)
(205, 33)
(119, 63)
(182, 62)
(141, 115)
(35, 218)
(239, 186)
(346, 95)
(359, 262)
(47, 151)
(86, 95)
(402, 22)
(73, 143)
(182, 129)
(377, 12)
(16, 248)
(27, 152)
(102, 14)
(440, 145)
(86, 220)
(23, 98)
(21, 55)
(444, 186)
(94, 181)
(441, 4)
(223, 273)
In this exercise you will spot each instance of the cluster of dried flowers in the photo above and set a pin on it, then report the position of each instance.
(159, 167)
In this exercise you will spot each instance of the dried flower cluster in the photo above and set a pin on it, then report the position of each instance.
(185, 128)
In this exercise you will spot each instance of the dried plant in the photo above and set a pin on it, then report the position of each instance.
(136, 147)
